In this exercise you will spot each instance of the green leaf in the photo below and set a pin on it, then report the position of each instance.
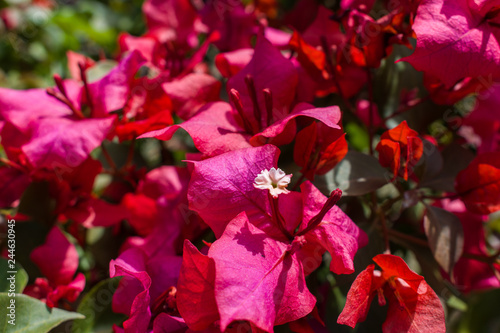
(455, 159)
(101, 69)
(31, 315)
(482, 315)
(20, 277)
(433, 161)
(445, 235)
(357, 137)
(456, 303)
(356, 174)
(97, 305)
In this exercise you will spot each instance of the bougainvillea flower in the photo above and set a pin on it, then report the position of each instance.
(464, 31)
(276, 259)
(479, 184)
(413, 305)
(64, 136)
(317, 52)
(218, 128)
(150, 270)
(400, 143)
(219, 191)
(273, 290)
(363, 47)
(160, 202)
(111, 92)
(268, 69)
(60, 282)
(174, 21)
(226, 17)
(469, 273)
(264, 109)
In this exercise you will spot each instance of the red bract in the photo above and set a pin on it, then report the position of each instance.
(111, 92)
(150, 270)
(311, 58)
(191, 92)
(318, 149)
(413, 305)
(272, 290)
(195, 291)
(479, 184)
(64, 142)
(14, 183)
(442, 95)
(160, 205)
(230, 63)
(60, 270)
(400, 143)
(465, 31)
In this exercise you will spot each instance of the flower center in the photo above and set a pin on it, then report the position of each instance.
(274, 180)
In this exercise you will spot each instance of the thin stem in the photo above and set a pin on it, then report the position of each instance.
(402, 236)
(130, 155)
(495, 271)
(81, 66)
(108, 158)
(278, 218)
(407, 108)
(437, 197)
(385, 231)
(301, 179)
(371, 110)
(12, 164)
(331, 69)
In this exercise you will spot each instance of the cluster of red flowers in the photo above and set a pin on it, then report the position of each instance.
(227, 240)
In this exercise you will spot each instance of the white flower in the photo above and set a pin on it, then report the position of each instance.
(274, 180)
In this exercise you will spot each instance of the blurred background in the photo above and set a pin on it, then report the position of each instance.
(36, 34)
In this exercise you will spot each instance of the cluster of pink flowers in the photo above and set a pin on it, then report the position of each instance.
(226, 241)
